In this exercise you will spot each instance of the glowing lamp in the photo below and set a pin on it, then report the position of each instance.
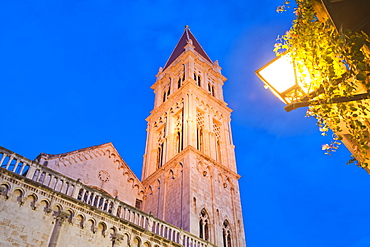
(280, 76)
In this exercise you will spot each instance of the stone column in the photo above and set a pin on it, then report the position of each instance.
(76, 190)
(2, 159)
(31, 170)
(59, 219)
(15, 166)
(11, 158)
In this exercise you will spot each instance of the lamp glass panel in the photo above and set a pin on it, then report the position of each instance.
(279, 73)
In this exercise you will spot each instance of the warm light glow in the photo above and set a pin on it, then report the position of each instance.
(279, 74)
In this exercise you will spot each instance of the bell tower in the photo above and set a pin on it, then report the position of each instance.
(189, 168)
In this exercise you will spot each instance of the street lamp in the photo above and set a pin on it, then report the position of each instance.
(292, 85)
(284, 80)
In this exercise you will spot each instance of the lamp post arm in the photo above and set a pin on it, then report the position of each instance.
(296, 105)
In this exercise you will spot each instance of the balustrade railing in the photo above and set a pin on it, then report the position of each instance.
(62, 184)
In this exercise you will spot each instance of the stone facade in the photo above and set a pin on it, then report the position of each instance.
(100, 167)
(60, 211)
(189, 193)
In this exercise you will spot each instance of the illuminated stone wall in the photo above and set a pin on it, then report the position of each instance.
(62, 212)
(189, 164)
(100, 167)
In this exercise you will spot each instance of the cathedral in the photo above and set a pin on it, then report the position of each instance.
(188, 194)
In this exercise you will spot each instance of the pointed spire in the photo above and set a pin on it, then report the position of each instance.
(186, 37)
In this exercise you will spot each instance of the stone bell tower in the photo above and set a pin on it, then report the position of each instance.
(189, 168)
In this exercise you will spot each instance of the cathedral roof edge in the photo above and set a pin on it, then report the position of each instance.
(109, 145)
(51, 156)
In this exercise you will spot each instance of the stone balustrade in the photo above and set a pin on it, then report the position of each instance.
(59, 183)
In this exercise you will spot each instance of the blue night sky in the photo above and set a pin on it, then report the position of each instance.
(74, 74)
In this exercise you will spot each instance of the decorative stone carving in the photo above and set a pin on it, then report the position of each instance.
(104, 176)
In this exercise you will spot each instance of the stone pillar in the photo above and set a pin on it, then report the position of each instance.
(2, 159)
(116, 239)
(192, 121)
(15, 166)
(31, 170)
(185, 121)
(59, 219)
(76, 190)
(150, 223)
(11, 158)
(181, 238)
(22, 169)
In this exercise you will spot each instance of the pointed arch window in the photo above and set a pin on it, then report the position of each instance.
(204, 225)
(161, 148)
(160, 156)
(226, 234)
(179, 131)
(200, 139)
(200, 128)
(216, 131)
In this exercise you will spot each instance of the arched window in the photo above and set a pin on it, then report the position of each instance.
(102, 227)
(217, 132)
(181, 79)
(211, 87)
(137, 242)
(218, 151)
(200, 126)
(203, 225)
(4, 189)
(197, 79)
(160, 156)
(166, 93)
(226, 234)
(200, 138)
(80, 221)
(179, 131)
(91, 223)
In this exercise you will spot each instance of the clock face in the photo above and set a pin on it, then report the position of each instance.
(104, 176)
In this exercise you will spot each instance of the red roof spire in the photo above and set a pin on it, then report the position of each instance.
(180, 47)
